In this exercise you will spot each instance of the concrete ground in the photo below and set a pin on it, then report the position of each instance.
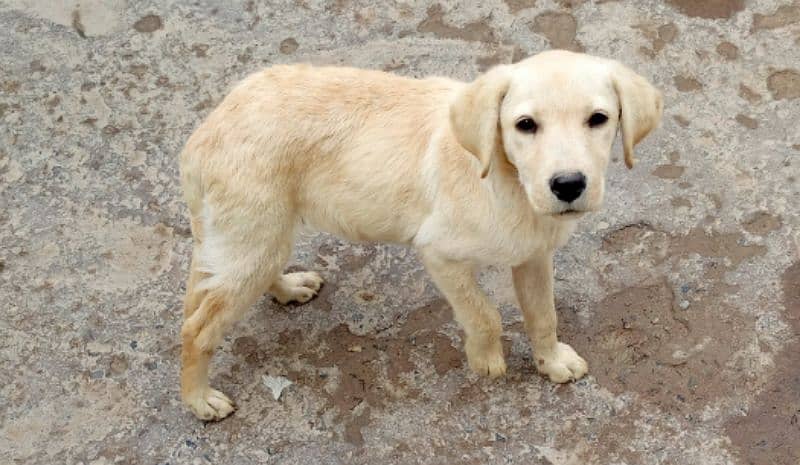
(682, 293)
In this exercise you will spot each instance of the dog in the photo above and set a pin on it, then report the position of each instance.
(495, 171)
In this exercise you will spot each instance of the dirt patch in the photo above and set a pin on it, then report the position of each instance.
(497, 57)
(647, 344)
(559, 28)
(669, 171)
(784, 84)
(370, 367)
(687, 83)
(200, 50)
(349, 259)
(149, 23)
(718, 245)
(709, 9)
(747, 121)
(783, 16)
(476, 31)
(77, 24)
(639, 240)
(767, 433)
(728, 51)
(762, 223)
(666, 35)
(659, 37)
(515, 6)
(749, 94)
(682, 122)
(673, 350)
(571, 3)
(680, 202)
(288, 46)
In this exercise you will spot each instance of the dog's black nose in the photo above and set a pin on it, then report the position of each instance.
(568, 186)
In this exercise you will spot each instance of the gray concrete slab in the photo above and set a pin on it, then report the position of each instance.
(682, 293)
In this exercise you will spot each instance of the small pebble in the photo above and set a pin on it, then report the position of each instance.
(684, 304)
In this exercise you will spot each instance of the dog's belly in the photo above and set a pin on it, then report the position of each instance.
(359, 226)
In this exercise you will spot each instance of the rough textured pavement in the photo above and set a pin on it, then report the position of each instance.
(682, 293)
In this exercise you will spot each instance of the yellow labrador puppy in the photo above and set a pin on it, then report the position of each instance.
(496, 171)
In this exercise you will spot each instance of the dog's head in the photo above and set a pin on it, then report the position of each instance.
(554, 117)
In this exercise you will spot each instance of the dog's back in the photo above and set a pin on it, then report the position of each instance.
(338, 145)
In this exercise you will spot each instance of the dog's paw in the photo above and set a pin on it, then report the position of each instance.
(297, 287)
(210, 405)
(563, 364)
(489, 363)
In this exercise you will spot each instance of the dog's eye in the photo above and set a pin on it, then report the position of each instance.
(527, 125)
(597, 119)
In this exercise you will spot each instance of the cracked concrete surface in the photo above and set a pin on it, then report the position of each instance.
(683, 293)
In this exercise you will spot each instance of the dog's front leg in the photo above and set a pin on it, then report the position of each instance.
(533, 283)
(472, 309)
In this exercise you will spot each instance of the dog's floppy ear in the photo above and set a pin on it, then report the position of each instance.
(640, 106)
(475, 115)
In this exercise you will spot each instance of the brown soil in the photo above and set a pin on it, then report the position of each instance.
(769, 432)
(371, 367)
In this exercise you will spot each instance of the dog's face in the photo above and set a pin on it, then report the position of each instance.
(554, 117)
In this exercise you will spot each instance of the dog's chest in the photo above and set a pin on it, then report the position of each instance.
(504, 239)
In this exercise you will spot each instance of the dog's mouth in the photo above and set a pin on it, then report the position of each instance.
(568, 213)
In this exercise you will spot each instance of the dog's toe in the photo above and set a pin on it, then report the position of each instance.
(210, 405)
(562, 365)
(297, 287)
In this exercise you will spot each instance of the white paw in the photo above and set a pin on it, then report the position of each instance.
(561, 365)
(297, 287)
(210, 404)
(486, 361)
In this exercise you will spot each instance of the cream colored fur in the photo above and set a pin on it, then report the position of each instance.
(433, 163)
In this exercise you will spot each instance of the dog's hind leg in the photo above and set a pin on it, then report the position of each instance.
(234, 263)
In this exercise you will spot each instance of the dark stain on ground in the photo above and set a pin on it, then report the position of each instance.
(680, 202)
(762, 223)
(728, 51)
(784, 84)
(659, 37)
(668, 171)
(749, 94)
(709, 9)
(476, 31)
(77, 24)
(371, 366)
(610, 439)
(559, 28)
(288, 46)
(767, 434)
(515, 6)
(682, 122)
(687, 83)
(149, 23)
(645, 343)
(498, 56)
(747, 121)
(783, 16)
(673, 350)
(349, 258)
(200, 50)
